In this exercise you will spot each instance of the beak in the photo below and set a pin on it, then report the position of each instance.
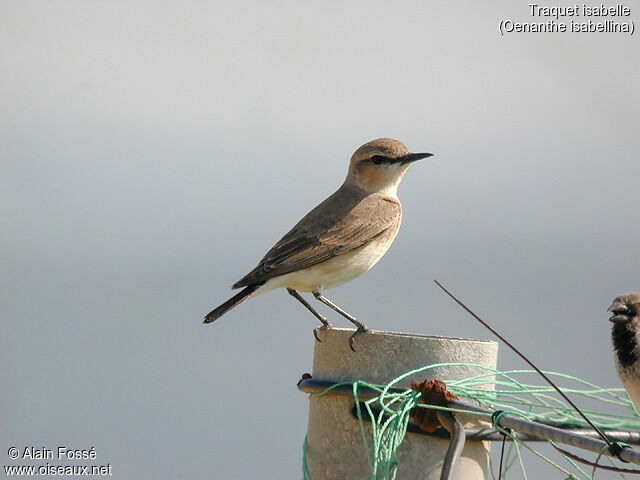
(412, 157)
(618, 307)
(620, 319)
(620, 312)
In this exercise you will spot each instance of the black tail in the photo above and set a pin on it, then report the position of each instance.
(229, 304)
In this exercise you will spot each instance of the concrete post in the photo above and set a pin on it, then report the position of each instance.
(334, 442)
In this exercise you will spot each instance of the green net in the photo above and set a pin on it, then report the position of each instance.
(516, 392)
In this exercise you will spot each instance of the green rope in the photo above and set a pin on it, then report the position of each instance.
(505, 392)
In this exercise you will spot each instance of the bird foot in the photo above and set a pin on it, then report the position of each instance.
(326, 326)
(352, 339)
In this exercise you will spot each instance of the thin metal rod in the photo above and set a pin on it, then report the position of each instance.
(540, 372)
(456, 444)
(490, 434)
(311, 385)
(549, 432)
(546, 432)
(504, 441)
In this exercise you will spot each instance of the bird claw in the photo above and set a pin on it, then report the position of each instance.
(353, 337)
(317, 329)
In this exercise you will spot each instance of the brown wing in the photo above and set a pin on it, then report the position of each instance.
(346, 220)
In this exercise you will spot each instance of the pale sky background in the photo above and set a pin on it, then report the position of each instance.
(153, 151)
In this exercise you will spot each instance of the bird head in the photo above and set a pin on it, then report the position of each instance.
(625, 308)
(379, 165)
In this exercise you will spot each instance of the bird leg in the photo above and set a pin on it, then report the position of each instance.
(325, 322)
(361, 327)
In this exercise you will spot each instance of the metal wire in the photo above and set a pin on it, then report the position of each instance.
(548, 432)
(493, 435)
(456, 444)
(524, 357)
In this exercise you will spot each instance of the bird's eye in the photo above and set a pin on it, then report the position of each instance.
(379, 159)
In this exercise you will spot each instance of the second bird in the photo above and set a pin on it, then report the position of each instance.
(338, 240)
(626, 342)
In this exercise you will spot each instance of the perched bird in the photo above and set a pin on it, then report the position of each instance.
(340, 239)
(626, 342)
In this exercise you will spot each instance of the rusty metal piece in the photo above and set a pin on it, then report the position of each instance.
(434, 392)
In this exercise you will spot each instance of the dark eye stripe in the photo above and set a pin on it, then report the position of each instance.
(379, 159)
